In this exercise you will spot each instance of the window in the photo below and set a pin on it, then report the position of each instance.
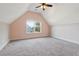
(33, 26)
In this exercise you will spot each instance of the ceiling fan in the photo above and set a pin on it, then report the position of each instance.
(44, 6)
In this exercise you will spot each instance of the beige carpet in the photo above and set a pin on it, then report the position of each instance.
(40, 47)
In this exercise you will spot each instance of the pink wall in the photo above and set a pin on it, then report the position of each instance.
(18, 31)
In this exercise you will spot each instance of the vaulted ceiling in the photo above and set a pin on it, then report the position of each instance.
(58, 14)
(63, 13)
(11, 11)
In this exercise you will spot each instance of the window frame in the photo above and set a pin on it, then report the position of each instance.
(34, 29)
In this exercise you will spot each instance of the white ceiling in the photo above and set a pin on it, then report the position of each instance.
(63, 14)
(11, 11)
(58, 14)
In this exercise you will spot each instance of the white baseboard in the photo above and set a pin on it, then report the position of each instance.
(2, 46)
(76, 42)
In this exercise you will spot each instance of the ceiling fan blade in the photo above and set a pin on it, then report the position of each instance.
(38, 6)
(49, 5)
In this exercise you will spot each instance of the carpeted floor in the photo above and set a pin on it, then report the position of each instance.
(40, 47)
